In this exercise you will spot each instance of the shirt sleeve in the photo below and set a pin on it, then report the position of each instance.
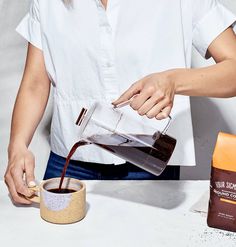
(210, 19)
(29, 27)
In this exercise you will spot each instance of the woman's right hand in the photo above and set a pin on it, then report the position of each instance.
(19, 175)
(29, 108)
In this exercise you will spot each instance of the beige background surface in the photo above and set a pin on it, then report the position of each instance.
(209, 115)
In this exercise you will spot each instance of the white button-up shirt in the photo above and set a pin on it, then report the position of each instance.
(92, 54)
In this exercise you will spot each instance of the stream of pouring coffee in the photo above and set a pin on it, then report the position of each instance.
(72, 151)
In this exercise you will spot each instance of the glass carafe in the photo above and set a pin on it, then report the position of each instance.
(117, 132)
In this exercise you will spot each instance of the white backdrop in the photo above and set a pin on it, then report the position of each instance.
(209, 115)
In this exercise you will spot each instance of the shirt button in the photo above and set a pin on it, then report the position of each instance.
(108, 29)
(109, 64)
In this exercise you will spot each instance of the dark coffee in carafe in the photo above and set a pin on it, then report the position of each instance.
(150, 153)
(144, 151)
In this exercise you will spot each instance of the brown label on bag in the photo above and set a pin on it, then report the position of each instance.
(222, 204)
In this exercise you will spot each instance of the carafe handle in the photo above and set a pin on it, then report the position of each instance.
(125, 103)
(167, 125)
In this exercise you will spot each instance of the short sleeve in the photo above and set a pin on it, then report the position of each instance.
(29, 27)
(210, 19)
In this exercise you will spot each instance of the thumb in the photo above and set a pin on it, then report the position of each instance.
(128, 94)
(29, 171)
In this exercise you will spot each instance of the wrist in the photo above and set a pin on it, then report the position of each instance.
(15, 146)
(174, 76)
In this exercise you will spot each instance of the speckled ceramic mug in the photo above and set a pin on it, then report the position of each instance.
(61, 208)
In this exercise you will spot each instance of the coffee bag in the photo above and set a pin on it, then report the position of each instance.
(222, 204)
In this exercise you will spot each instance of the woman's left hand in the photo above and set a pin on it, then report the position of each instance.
(153, 95)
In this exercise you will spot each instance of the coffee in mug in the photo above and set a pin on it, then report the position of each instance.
(61, 206)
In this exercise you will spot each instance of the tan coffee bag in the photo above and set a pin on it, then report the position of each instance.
(222, 204)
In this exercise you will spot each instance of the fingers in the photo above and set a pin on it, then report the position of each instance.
(128, 94)
(29, 171)
(158, 109)
(14, 178)
(17, 198)
(148, 104)
(153, 96)
(17, 174)
(164, 113)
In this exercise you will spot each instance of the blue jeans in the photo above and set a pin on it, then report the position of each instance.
(95, 171)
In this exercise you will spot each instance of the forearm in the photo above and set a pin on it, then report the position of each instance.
(28, 111)
(214, 81)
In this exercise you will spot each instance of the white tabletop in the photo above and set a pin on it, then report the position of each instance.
(120, 214)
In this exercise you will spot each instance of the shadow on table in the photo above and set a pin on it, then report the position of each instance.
(161, 194)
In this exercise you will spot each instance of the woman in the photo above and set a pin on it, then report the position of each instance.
(93, 50)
